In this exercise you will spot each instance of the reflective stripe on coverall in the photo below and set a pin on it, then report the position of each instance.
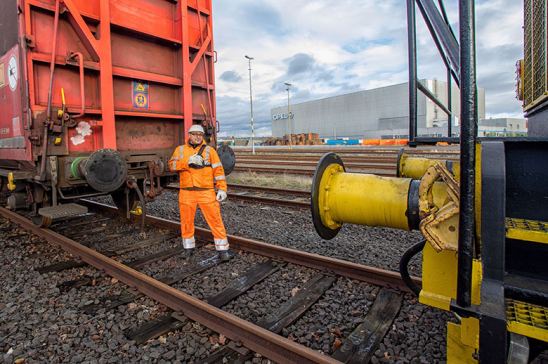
(196, 188)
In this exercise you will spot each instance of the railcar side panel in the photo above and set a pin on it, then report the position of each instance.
(162, 77)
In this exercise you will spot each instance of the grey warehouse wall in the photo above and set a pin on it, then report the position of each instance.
(369, 113)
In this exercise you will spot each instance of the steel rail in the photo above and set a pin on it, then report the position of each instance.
(280, 191)
(372, 275)
(262, 341)
(262, 199)
(349, 150)
(237, 186)
(306, 172)
(351, 158)
(315, 158)
(299, 163)
(270, 200)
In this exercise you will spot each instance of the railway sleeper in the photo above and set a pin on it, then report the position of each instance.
(357, 348)
(78, 235)
(142, 244)
(284, 316)
(136, 263)
(155, 328)
(70, 264)
(362, 343)
(130, 295)
(234, 289)
(64, 225)
(77, 283)
(61, 266)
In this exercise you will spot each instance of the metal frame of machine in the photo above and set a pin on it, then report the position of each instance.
(448, 47)
(484, 219)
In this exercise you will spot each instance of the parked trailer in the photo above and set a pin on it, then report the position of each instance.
(96, 94)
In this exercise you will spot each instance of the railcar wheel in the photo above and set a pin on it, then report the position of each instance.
(228, 158)
(105, 170)
(42, 198)
(41, 221)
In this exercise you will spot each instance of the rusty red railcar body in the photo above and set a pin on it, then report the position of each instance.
(122, 78)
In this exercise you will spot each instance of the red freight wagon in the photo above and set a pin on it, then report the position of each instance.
(96, 94)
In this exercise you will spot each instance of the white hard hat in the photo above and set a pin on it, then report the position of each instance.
(196, 129)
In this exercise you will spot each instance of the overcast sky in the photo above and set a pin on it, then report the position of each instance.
(332, 47)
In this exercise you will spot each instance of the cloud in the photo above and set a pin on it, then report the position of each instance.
(331, 47)
(300, 63)
(230, 76)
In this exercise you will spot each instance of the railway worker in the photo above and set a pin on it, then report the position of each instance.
(200, 170)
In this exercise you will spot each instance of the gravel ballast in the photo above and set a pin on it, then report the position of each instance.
(293, 228)
(40, 323)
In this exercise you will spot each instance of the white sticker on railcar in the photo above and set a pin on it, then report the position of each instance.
(16, 126)
(2, 76)
(83, 129)
(13, 73)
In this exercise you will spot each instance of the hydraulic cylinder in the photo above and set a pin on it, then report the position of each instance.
(415, 167)
(339, 197)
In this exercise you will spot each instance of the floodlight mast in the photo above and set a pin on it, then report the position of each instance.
(249, 59)
(288, 88)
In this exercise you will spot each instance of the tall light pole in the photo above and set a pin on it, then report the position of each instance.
(288, 87)
(249, 59)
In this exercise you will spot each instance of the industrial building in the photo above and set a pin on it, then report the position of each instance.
(502, 127)
(377, 113)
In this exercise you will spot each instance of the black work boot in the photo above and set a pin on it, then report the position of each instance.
(188, 253)
(225, 255)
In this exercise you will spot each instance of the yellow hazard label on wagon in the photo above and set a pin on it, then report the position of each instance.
(140, 87)
(140, 95)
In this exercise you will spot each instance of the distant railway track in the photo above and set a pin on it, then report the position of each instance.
(302, 161)
(266, 195)
(351, 150)
(282, 191)
(387, 171)
(259, 337)
(270, 195)
(314, 158)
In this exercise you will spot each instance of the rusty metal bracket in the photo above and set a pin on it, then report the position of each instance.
(439, 224)
(132, 185)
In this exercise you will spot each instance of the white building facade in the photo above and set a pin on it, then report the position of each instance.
(371, 114)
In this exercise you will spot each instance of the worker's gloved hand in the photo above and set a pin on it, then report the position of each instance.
(221, 195)
(196, 160)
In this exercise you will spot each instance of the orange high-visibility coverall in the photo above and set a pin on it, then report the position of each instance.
(196, 188)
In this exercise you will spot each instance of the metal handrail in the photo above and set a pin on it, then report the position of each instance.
(448, 47)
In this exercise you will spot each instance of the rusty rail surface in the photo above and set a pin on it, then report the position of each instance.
(315, 158)
(263, 199)
(252, 336)
(387, 150)
(281, 191)
(271, 201)
(262, 341)
(302, 161)
(307, 172)
(372, 275)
